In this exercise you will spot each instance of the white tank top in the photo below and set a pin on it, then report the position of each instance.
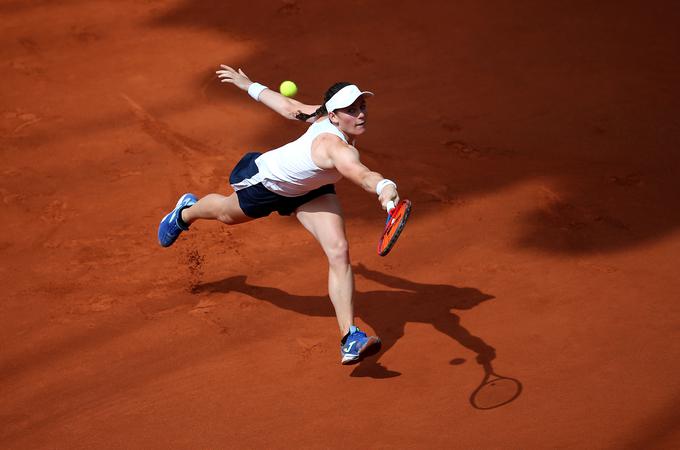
(290, 170)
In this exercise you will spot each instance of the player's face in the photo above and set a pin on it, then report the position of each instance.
(352, 119)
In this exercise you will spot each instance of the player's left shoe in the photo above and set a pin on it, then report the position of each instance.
(356, 345)
(171, 227)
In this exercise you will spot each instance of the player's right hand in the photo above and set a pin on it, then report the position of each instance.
(389, 193)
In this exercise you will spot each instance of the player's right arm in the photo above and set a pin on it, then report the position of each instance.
(345, 158)
(287, 107)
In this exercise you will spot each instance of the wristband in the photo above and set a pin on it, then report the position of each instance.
(255, 89)
(382, 183)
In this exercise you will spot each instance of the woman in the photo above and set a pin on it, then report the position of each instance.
(298, 179)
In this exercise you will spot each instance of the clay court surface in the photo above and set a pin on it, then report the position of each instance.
(538, 141)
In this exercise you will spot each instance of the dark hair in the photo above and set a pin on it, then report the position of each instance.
(321, 111)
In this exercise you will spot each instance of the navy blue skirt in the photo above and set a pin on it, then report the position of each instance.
(258, 201)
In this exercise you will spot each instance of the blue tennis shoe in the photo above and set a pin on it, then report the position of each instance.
(356, 345)
(172, 225)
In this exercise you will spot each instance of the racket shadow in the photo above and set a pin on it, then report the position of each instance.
(495, 390)
(386, 311)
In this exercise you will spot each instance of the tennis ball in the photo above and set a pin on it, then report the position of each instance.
(288, 88)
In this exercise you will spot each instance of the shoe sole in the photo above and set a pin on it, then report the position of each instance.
(372, 347)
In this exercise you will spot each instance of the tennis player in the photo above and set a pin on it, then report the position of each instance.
(298, 179)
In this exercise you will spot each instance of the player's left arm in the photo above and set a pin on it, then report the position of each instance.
(287, 107)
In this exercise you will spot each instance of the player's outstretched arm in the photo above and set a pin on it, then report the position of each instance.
(287, 107)
(345, 159)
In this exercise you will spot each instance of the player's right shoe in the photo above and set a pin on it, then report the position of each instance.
(356, 345)
(172, 226)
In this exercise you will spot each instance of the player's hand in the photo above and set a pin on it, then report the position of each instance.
(238, 78)
(389, 193)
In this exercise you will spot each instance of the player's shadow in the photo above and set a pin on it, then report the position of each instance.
(387, 312)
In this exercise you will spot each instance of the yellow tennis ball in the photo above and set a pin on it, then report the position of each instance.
(288, 88)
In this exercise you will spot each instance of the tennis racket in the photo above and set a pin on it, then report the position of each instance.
(397, 215)
(495, 391)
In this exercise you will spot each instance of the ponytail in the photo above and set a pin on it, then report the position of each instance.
(321, 111)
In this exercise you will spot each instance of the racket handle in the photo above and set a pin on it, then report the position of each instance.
(390, 206)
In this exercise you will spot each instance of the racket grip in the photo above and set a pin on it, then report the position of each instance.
(390, 206)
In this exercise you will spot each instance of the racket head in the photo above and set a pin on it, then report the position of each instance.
(396, 220)
(495, 391)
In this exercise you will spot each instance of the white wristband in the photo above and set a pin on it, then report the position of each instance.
(382, 183)
(255, 89)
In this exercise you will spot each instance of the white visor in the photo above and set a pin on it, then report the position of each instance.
(345, 97)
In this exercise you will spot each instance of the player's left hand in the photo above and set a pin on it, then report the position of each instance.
(238, 78)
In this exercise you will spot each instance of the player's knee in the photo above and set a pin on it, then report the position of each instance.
(338, 251)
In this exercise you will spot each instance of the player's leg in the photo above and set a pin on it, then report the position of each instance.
(226, 209)
(189, 209)
(323, 218)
